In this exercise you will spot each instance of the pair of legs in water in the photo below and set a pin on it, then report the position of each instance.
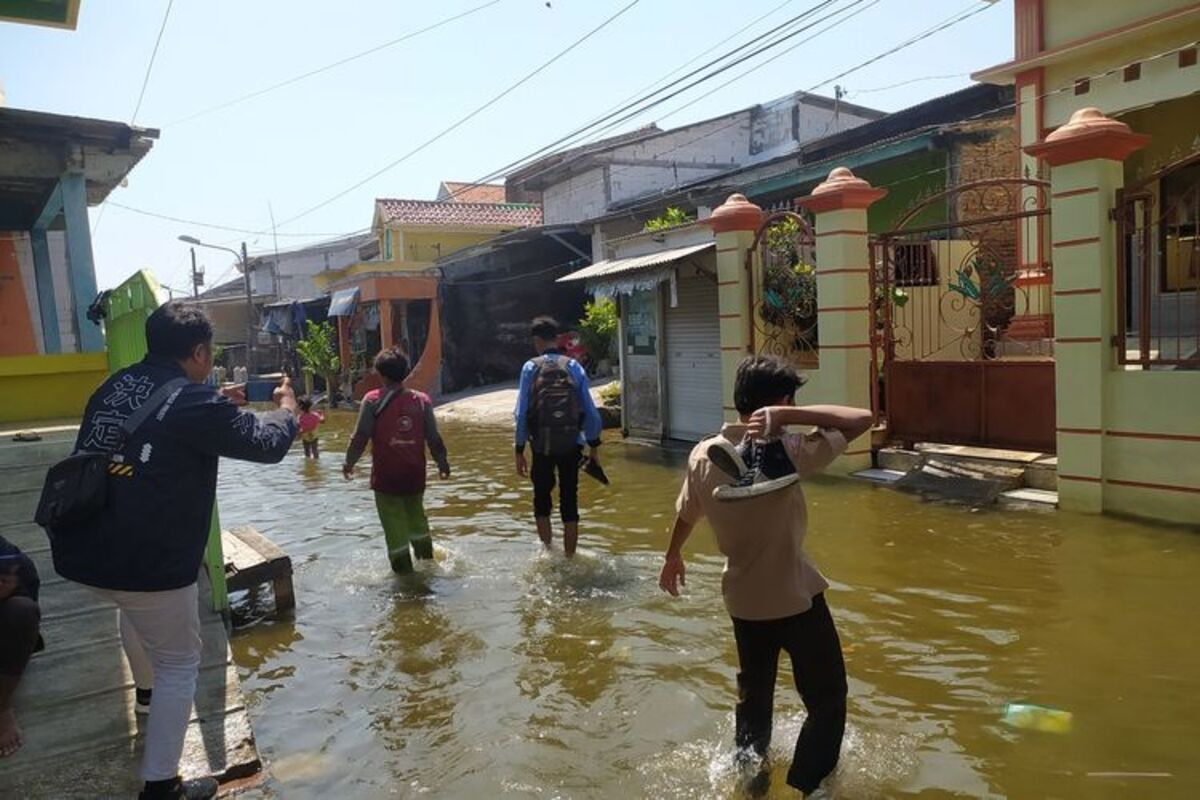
(545, 472)
(405, 528)
(312, 448)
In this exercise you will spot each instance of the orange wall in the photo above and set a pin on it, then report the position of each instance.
(16, 326)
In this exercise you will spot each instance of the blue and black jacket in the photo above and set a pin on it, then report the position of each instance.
(163, 481)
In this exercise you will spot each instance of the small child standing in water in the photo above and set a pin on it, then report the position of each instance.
(309, 422)
(399, 423)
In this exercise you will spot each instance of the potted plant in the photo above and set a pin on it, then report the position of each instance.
(597, 330)
(319, 355)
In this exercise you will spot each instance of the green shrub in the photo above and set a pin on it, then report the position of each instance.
(670, 218)
(598, 328)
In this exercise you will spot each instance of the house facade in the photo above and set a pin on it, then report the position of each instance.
(667, 287)
(52, 169)
(393, 300)
(1108, 101)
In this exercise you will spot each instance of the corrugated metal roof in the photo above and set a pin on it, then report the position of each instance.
(621, 266)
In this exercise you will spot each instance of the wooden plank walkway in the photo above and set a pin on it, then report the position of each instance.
(75, 704)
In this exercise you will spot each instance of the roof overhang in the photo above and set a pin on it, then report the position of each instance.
(37, 149)
(1006, 73)
(48, 13)
(626, 275)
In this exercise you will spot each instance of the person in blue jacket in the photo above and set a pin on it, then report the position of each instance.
(555, 414)
(143, 552)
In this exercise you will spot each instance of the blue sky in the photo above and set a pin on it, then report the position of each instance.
(291, 149)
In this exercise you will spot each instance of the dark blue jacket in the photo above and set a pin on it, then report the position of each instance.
(152, 534)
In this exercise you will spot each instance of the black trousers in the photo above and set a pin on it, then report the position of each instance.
(19, 639)
(811, 641)
(543, 470)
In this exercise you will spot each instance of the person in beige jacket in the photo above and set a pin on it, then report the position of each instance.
(748, 482)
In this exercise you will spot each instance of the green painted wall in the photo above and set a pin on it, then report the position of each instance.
(906, 179)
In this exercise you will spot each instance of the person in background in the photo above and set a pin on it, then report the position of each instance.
(144, 550)
(774, 594)
(309, 422)
(19, 636)
(399, 424)
(556, 414)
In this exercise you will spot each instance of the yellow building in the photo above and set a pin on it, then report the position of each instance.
(393, 300)
(1108, 99)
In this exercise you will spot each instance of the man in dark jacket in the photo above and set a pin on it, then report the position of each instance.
(144, 551)
(19, 638)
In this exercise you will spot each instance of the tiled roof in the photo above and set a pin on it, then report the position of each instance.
(455, 192)
(433, 212)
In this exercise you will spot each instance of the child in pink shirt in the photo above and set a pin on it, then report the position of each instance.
(309, 422)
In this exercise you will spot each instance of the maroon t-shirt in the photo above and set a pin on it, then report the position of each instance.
(399, 433)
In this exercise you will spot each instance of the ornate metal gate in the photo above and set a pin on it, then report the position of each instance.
(783, 289)
(963, 318)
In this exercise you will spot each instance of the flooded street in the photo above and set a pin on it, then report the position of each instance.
(499, 672)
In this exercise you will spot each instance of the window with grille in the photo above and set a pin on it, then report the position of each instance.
(915, 264)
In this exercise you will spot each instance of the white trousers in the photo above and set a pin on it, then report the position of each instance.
(161, 635)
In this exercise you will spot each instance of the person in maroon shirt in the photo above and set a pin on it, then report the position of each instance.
(398, 423)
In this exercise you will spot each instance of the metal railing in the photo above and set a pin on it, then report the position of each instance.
(1158, 270)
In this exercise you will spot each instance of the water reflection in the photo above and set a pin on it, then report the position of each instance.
(500, 672)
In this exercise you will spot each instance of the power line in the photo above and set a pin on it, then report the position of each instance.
(910, 81)
(150, 65)
(1068, 87)
(573, 138)
(953, 20)
(332, 65)
(228, 228)
(470, 115)
(773, 58)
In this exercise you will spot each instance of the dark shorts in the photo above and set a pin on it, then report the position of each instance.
(543, 471)
(19, 636)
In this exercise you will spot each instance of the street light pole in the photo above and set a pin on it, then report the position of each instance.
(251, 349)
(195, 276)
(251, 334)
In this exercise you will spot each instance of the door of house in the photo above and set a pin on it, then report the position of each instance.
(641, 363)
(964, 320)
(693, 361)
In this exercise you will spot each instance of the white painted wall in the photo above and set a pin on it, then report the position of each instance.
(295, 269)
(691, 153)
(575, 199)
(64, 299)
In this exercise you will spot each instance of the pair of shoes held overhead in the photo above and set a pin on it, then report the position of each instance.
(757, 468)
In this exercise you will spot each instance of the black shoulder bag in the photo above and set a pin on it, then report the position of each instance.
(76, 488)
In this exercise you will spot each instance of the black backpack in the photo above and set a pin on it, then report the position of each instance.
(554, 412)
(76, 488)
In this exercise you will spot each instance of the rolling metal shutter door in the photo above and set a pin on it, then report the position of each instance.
(693, 355)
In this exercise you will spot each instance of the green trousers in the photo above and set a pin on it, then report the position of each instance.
(404, 524)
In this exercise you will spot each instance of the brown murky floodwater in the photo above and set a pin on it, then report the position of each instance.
(498, 672)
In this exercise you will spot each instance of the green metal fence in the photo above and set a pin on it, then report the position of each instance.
(126, 310)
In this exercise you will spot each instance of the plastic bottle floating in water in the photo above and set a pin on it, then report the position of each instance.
(1037, 718)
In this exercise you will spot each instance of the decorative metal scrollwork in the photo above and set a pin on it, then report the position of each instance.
(783, 289)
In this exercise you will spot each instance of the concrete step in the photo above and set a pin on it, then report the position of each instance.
(1029, 498)
(955, 485)
(1028, 469)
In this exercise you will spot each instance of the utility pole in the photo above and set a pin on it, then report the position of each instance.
(197, 276)
(251, 333)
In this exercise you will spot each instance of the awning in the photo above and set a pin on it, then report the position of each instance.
(626, 275)
(343, 302)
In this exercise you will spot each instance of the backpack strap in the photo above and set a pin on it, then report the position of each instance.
(152, 404)
(387, 398)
